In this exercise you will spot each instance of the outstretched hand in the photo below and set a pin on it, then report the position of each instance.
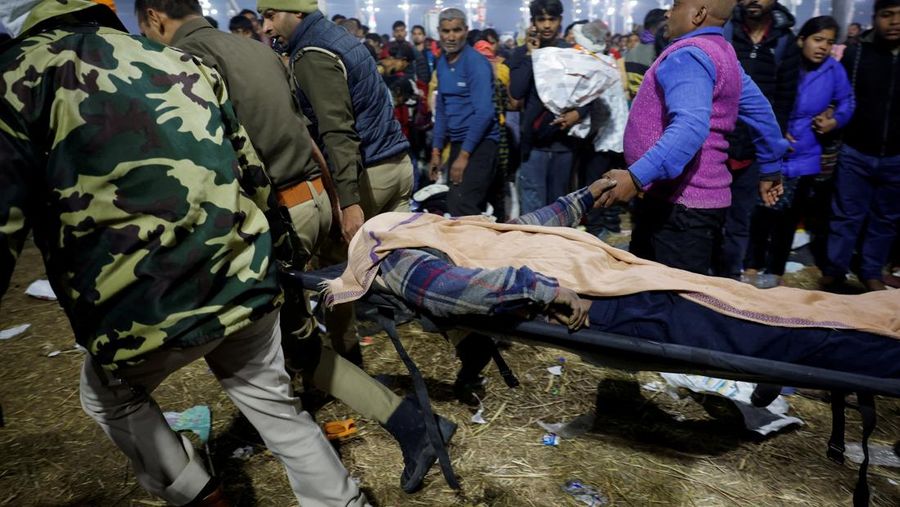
(570, 310)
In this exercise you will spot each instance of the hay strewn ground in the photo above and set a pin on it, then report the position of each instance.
(646, 449)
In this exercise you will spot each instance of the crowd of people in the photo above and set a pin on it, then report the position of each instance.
(168, 175)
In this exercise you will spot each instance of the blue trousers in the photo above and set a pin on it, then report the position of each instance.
(543, 178)
(669, 318)
(866, 200)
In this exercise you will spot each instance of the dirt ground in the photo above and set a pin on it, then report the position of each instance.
(645, 448)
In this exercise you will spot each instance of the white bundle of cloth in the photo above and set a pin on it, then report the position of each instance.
(566, 78)
(13, 14)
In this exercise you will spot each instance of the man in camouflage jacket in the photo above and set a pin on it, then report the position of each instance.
(147, 201)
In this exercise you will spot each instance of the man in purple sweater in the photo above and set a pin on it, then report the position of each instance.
(464, 116)
(675, 140)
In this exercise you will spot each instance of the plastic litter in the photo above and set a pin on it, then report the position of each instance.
(881, 455)
(793, 267)
(478, 417)
(12, 332)
(41, 289)
(555, 384)
(550, 439)
(340, 430)
(659, 387)
(761, 420)
(801, 239)
(585, 494)
(197, 420)
(574, 428)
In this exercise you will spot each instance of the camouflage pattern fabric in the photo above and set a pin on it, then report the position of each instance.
(146, 197)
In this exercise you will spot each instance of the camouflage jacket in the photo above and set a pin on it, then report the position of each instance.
(144, 193)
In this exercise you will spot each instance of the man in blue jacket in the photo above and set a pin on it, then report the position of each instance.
(352, 116)
(464, 116)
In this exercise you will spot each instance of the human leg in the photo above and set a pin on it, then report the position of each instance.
(531, 181)
(250, 366)
(559, 174)
(883, 219)
(386, 186)
(736, 232)
(762, 224)
(470, 196)
(164, 464)
(849, 208)
(676, 236)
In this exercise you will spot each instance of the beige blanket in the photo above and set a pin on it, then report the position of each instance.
(585, 264)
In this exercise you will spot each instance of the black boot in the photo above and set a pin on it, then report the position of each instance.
(474, 352)
(407, 426)
(764, 394)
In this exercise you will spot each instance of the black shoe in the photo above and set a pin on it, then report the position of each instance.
(474, 352)
(764, 394)
(469, 393)
(407, 426)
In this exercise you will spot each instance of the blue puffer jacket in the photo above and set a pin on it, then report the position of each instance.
(379, 132)
(817, 89)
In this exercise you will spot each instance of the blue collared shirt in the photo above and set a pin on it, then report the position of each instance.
(687, 77)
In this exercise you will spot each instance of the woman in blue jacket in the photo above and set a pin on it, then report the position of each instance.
(824, 103)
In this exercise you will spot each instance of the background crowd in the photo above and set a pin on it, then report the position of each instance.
(811, 74)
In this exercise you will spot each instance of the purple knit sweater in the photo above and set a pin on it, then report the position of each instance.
(705, 181)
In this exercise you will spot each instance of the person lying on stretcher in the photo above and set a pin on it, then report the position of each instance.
(538, 263)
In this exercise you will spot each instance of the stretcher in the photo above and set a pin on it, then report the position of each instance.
(633, 354)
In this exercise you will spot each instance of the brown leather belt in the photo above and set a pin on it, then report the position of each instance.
(299, 193)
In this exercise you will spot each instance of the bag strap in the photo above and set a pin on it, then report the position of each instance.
(385, 317)
(867, 411)
(836, 442)
(866, 407)
(505, 371)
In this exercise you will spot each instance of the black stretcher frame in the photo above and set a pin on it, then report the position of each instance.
(636, 354)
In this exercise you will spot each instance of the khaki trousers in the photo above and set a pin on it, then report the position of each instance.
(332, 374)
(386, 186)
(250, 367)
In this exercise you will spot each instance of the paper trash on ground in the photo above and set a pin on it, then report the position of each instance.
(12, 332)
(879, 455)
(761, 420)
(243, 453)
(41, 289)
